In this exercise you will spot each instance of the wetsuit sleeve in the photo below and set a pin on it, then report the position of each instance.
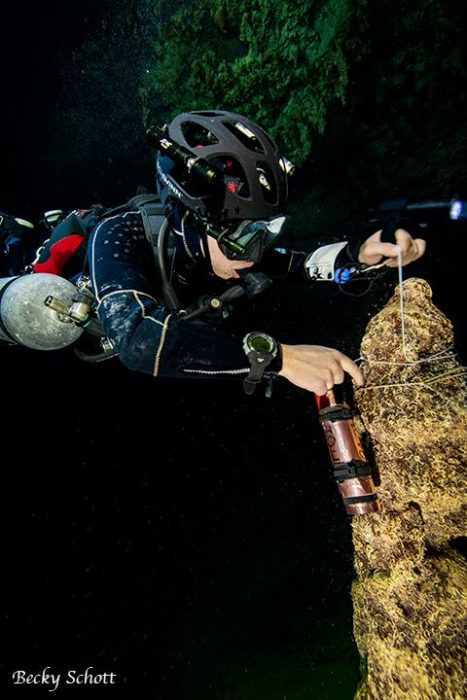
(281, 263)
(146, 336)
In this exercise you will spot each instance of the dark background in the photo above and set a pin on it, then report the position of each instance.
(179, 534)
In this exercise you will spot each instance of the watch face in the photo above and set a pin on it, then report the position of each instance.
(261, 343)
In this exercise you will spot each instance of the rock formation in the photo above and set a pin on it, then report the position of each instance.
(410, 595)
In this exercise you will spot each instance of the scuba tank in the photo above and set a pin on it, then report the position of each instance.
(350, 467)
(40, 311)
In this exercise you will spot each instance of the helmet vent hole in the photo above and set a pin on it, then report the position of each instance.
(197, 135)
(205, 113)
(267, 182)
(246, 136)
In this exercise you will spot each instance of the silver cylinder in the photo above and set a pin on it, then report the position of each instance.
(25, 318)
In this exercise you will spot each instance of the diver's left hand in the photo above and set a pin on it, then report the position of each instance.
(372, 251)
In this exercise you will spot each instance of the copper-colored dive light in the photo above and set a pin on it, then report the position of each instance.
(350, 467)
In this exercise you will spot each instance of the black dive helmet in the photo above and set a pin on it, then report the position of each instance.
(250, 183)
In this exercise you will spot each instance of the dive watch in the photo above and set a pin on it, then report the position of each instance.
(263, 353)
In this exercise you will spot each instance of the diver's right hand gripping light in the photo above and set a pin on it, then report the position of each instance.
(350, 467)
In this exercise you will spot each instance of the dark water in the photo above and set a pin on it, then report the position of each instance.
(181, 535)
(178, 534)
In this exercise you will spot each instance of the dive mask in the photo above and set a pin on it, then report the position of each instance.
(249, 239)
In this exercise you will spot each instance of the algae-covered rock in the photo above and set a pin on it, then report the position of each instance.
(410, 596)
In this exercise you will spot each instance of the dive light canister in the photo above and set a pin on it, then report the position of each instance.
(199, 168)
(350, 466)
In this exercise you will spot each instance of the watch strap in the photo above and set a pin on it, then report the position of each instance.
(259, 362)
(262, 364)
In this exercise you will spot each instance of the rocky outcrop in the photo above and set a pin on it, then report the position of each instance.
(410, 595)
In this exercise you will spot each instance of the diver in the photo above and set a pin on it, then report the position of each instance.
(163, 290)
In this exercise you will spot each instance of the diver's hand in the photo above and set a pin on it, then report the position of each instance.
(372, 251)
(317, 368)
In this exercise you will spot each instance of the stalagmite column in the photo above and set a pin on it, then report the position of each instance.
(410, 595)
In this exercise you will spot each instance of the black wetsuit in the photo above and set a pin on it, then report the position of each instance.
(146, 335)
